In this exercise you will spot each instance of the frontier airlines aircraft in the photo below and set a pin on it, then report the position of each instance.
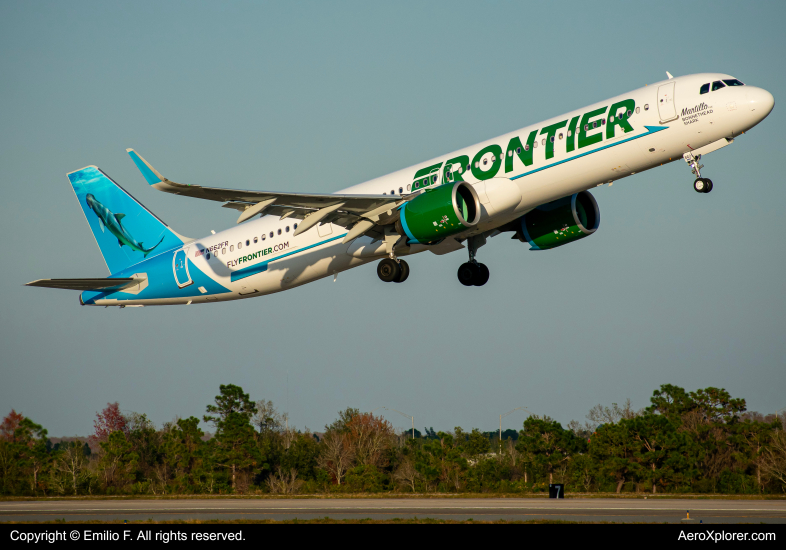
(533, 183)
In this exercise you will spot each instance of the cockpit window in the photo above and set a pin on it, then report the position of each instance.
(705, 88)
(733, 82)
(717, 85)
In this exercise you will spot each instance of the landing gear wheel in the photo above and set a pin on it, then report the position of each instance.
(467, 273)
(482, 275)
(702, 185)
(388, 270)
(404, 268)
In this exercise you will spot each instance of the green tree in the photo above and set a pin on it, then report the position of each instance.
(610, 447)
(661, 453)
(182, 449)
(235, 439)
(118, 461)
(547, 443)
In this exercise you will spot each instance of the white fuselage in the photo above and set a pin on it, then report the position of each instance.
(685, 121)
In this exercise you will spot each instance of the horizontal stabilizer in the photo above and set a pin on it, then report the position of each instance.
(86, 284)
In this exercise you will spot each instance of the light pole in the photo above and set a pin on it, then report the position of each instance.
(500, 422)
(406, 415)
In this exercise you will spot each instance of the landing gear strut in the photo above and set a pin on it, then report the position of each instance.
(473, 273)
(393, 271)
(701, 185)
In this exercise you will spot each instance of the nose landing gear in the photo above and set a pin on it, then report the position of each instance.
(701, 185)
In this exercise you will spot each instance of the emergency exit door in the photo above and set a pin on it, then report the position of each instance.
(667, 110)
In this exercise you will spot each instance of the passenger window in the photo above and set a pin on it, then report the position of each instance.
(629, 113)
(392, 192)
(256, 240)
(646, 106)
(586, 127)
(409, 187)
(551, 139)
(705, 88)
(535, 145)
(239, 246)
(271, 234)
(207, 255)
(231, 248)
(417, 184)
(279, 231)
(294, 226)
(733, 82)
(263, 237)
(400, 191)
(248, 243)
(223, 251)
(717, 85)
(287, 229)
(638, 110)
(518, 150)
(543, 141)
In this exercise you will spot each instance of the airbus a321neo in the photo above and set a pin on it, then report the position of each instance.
(533, 183)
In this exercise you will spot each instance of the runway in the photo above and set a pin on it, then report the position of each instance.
(571, 509)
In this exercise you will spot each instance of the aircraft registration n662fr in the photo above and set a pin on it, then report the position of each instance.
(533, 183)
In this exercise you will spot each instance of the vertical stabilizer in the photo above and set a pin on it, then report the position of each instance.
(126, 231)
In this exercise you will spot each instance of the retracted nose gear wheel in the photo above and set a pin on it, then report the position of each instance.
(702, 185)
(389, 270)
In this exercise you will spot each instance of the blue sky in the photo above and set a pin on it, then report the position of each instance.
(675, 287)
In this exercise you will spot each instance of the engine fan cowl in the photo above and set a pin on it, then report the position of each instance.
(439, 212)
(560, 222)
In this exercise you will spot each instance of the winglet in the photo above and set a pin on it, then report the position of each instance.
(150, 174)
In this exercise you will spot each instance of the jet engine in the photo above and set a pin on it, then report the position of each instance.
(438, 213)
(559, 222)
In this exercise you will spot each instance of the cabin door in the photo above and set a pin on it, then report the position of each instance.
(180, 267)
(666, 107)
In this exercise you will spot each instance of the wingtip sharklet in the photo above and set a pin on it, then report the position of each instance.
(151, 175)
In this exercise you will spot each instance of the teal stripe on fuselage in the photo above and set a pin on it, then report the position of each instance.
(262, 266)
(650, 130)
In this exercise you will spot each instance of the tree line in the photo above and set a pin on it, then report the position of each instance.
(701, 441)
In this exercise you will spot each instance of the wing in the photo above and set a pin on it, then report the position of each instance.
(86, 284)
(355, 212)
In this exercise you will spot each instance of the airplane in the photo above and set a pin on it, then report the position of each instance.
(533, 183)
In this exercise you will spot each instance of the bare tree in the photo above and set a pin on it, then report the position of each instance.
(284, 484)
(72, 462)
(611, 415)
(407, 474)
(267, 419)
(337, 455)
(370, 436)
(774, 463)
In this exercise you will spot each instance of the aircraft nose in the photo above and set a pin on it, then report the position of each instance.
(760, 101)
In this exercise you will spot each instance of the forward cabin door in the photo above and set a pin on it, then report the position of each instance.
(180, 267)
(667, 110)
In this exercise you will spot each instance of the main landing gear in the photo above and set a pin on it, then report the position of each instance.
(701, 185)
(393, 271)
(473, 273)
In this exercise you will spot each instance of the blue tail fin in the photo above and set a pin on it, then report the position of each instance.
(126, 231)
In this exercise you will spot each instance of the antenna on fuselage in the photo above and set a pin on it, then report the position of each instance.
(669, 75)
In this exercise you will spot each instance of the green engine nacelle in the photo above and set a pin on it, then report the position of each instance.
(560, 222)
(439, 212)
